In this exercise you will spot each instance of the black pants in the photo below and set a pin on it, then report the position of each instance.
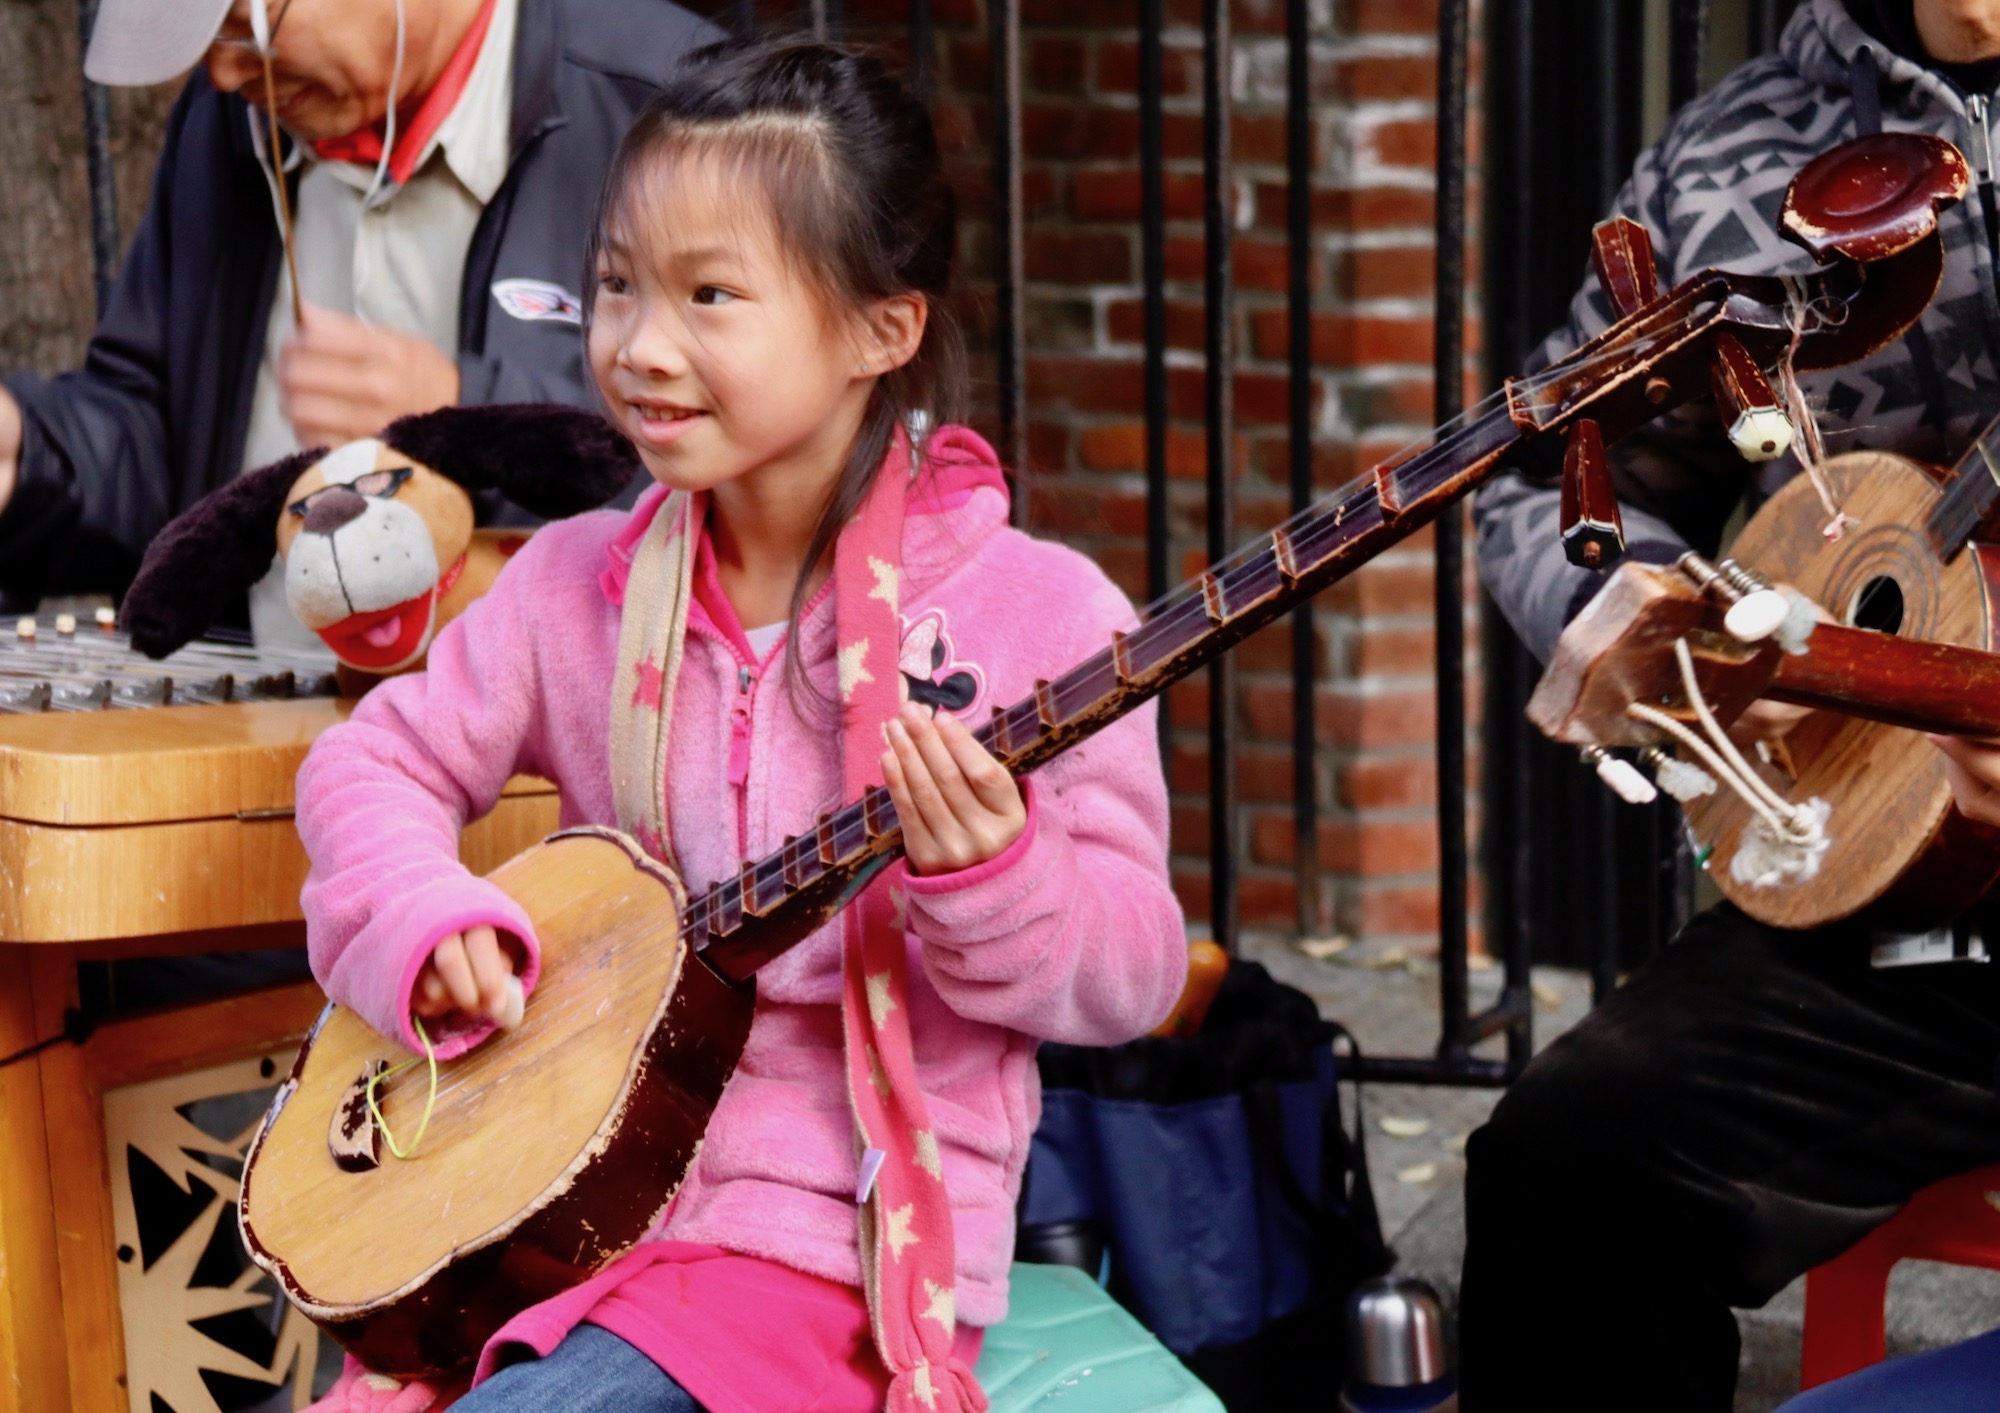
(1746, 1107)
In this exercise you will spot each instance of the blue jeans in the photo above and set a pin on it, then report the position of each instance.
(591, 1371)
(1959, 1379)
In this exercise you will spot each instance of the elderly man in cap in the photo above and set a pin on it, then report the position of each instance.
(441, 160)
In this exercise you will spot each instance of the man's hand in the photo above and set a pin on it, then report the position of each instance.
(1974, 769)
(10, 446)
(339, 379)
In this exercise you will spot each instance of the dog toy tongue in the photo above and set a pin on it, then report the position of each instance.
(383, 634)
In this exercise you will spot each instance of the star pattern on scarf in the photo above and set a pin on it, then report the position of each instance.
(852, 671)
(885, 582)
(899, 909)
(920, 1382)
(943, 1305)
(878, 1078)
(650, 687)
(900, 1234)
(927, 1154)
(880, 1002)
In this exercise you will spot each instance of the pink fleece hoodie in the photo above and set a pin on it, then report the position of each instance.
(1072, 935)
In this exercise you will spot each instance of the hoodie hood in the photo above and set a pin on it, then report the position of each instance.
(1822, 41)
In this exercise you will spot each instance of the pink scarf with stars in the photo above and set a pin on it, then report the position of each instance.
(907, 1256)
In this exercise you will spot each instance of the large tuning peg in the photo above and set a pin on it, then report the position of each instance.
(1750, 411)
(1593, 532)
(1622, 254)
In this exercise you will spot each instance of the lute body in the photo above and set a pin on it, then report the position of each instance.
(1900, 855)
(556, 1146)
(552, 1148)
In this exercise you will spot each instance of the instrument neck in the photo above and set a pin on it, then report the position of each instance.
(1970, 497)
(1898, 681)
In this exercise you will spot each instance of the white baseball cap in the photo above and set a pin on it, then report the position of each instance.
(138, 42)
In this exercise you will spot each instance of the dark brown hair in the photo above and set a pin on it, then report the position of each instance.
(849, 164)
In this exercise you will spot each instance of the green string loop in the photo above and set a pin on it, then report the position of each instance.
(423, 1124)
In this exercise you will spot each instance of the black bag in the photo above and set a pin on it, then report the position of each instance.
(1236, 1210)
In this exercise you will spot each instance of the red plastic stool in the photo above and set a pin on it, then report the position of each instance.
(1955, 1221)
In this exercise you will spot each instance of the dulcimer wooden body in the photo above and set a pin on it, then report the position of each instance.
(1901, 857)
(519, 1189)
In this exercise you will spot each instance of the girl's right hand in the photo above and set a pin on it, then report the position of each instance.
(469, 974)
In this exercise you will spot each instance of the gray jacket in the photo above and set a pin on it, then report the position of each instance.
(1709, 193)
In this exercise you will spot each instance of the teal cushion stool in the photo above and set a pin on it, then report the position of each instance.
(1067, 1347)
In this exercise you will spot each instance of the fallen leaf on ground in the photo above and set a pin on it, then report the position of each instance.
(1456, 1143)
(1418, 1175)
(1547, 993)
(1321, 948)
(1398, 1126)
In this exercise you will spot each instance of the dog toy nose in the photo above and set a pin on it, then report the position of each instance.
(333, 508)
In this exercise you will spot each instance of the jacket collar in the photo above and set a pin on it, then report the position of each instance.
(538, 49)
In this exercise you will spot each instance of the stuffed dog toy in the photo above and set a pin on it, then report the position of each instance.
(377, 536)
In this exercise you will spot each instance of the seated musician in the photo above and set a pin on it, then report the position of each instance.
(771, 323)
(442, 157)
(1752, 1101)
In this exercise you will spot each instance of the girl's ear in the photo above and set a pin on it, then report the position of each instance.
(893, 333)
(551, 460)
(208, 556)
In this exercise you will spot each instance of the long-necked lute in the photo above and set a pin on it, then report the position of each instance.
(555, 1146)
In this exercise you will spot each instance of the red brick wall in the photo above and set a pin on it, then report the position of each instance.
(1373, 122)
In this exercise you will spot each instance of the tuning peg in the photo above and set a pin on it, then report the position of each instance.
(1620, 775)
(1622, 253)
(1750, 411)
(1593, 533)
(1756, 616)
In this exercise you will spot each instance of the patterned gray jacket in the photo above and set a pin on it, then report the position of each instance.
(1709, 193)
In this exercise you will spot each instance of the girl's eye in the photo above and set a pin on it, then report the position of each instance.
(709, 294)
(610, 283)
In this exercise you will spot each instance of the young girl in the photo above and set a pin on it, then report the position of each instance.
(806, 604)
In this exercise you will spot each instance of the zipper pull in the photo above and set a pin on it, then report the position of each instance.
(743, 680)
(1982, 137)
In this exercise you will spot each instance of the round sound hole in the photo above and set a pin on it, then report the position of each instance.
(1879, 605)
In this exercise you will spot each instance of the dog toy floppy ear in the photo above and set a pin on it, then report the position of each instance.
(209, 555)
(554, 461)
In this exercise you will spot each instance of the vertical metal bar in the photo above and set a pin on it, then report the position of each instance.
(1687, 50)
(1298, 248)
(103, 185)
(923, 47)
(1604, 963)
(1004, 38)
(1220, 407)
(1153, 260)
(1448, 374)
(1765, 19)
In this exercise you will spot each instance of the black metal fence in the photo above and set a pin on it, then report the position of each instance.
(1563, 86)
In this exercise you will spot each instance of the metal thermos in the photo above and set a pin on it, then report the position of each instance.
(1395, 1350)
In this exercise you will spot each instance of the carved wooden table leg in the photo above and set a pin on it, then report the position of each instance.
(34, 1370)
(129, 1310)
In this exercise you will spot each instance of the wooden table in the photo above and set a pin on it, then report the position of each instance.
(147, 833)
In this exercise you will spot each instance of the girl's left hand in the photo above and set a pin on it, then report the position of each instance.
(958, 805)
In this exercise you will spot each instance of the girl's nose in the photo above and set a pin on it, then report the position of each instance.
(654, 343)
